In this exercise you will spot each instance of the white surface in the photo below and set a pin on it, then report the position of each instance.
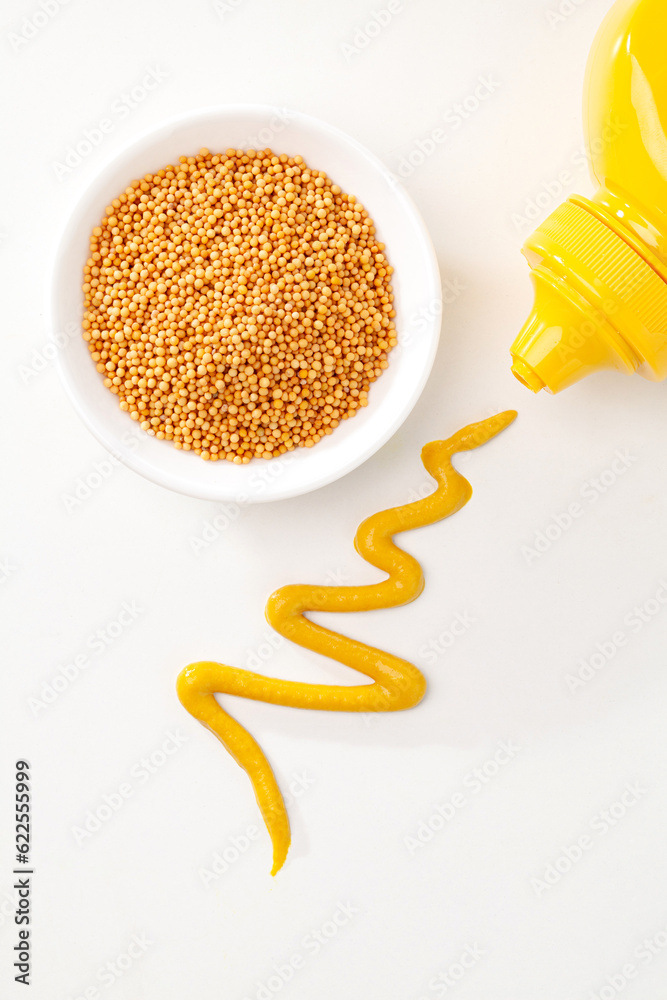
(416, 283)
(503, 679)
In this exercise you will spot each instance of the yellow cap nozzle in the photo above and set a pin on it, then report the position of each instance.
(525, 374)
(598, 304)
(564, 340)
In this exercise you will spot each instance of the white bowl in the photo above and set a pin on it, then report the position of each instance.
(416, 286)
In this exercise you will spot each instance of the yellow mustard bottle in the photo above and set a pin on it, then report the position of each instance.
(599, 266)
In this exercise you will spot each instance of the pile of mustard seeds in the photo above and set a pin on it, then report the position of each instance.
(238, 304)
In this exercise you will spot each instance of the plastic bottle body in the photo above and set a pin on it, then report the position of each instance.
(625, 117)
(600, 264)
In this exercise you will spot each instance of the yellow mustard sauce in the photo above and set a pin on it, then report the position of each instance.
(397, 684)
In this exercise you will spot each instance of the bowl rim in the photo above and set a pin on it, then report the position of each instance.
(133, 459)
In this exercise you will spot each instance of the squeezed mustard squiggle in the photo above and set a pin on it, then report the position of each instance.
(396, 685)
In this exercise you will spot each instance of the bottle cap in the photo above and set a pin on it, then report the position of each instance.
(598, 304)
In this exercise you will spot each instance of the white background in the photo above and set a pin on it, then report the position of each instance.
(370, 784)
